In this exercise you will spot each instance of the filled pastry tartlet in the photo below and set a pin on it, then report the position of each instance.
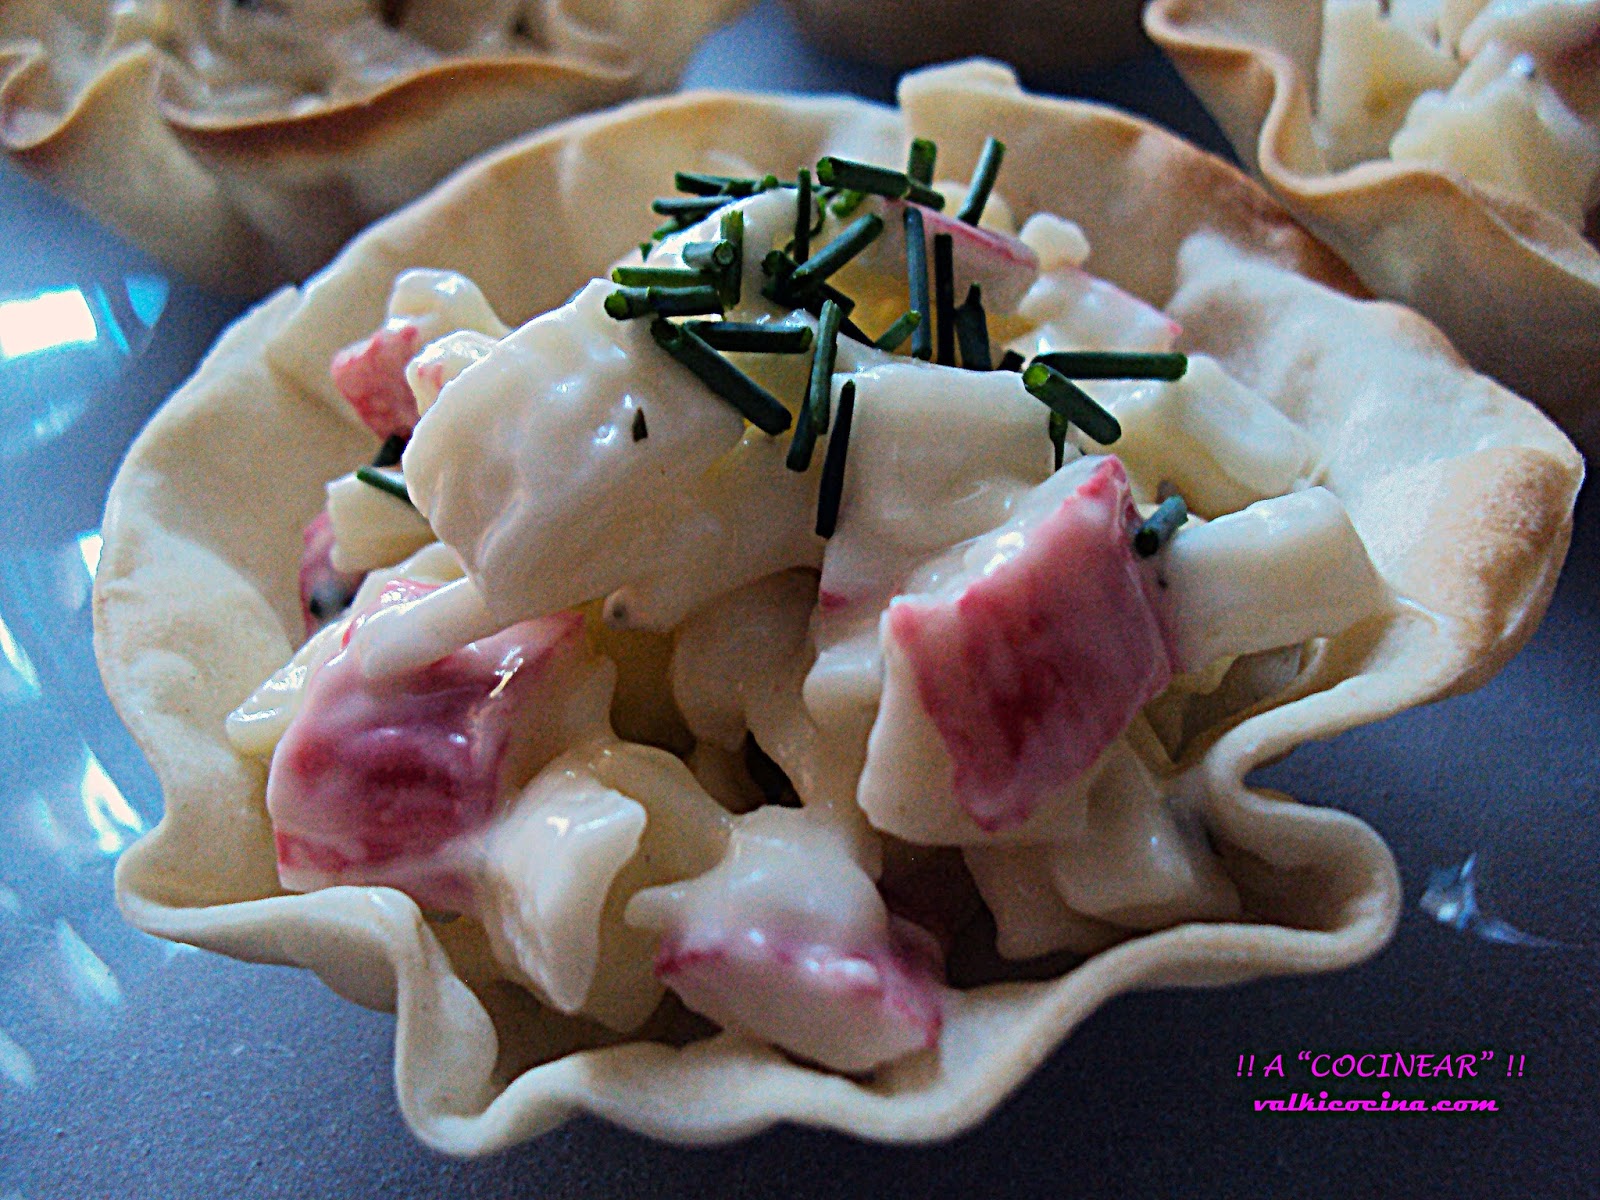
(242, 143)
(1449, 149)
(795, 663)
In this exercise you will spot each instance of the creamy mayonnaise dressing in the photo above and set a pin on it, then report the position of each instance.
(976, 657)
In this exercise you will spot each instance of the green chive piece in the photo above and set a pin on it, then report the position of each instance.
(1011, 361)
(1058, 437)
(732, 280)
(1113, 364)
(944, 299)
(751, 337)
(1158, 529)
(819, 392)
(697, 183)
(389, 453)
(385, 481)
(767, 183)
(983, 177)
(644, 250)
(849, 329)
(972, 332)
(832, 490)
(669, 227)
(627, 303)
(802, 219)
(759, 406)
(802, 443)
(640, 429)
(693, 208)
(894, 336)
(917, 283)
(710, 256)
(861, 177)
(878, 181)
(1053, 388)
(851, 241)
(670, 277)
(846, 203)
(919, 161)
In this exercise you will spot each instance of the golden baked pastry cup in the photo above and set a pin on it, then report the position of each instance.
(1462, 491)
(1516, 289)
(242, 203)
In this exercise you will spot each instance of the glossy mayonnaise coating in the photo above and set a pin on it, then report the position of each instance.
(975, 658)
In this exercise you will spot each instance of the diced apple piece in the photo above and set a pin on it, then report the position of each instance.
(788, 941)
(370, 527)
(1274, 574)
(597, 825)
(377, 781)
(1027, 650)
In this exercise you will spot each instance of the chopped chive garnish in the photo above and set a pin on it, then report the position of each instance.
(671, 226)
(384, 481)
(944, 299)
(894, 336)
(846, 203)
(802, 218)
(917, 284)
(1158, 528)
(759, 406)
(692, 208)
(1011, 361)
(982, 181)
(766, 183)
(644, 250)
(861, 177)
(851, 241)
(671, 277)
(697, 183)
(1114, 364)
(749, 337)
(802, 442)
(972, 332)
(1058, 437)
(710, 256)
(819, 392)
(389, 453)
(1071, 401)
(878, 181)
(920, 160)
(732, 230)
(832, 490)
(640, 429)
(626, 303)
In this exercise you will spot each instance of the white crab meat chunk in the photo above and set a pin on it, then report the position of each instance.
(787, 940)
(597, 825)
(392, 781)
(1373, 64)
(1069, 308)
(936, 457)
(424, 305)
(1504, 126)
(1013, 661)
(535, 465)
(1274, 574)
(370, 527)
(256, 725)
(1216, 442)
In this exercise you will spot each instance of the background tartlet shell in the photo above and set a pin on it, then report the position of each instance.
(196, 593)
(243, 204)
(1516, 289)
